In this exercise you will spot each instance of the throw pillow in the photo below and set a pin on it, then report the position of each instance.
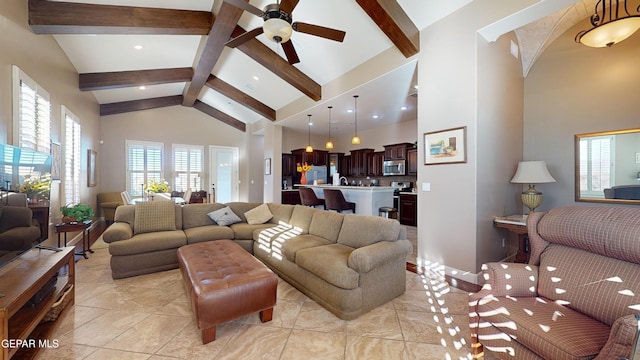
(224, 216)
(154, 216)
(258, 215)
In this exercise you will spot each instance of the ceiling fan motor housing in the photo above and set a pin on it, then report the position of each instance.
(277, 24)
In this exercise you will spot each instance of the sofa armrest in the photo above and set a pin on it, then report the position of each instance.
(368, 257)
(117, 231)
(621, 338)
(111, 204)
(509, 279)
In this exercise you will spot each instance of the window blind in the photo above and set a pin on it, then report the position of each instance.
(34, 114)
(72, 135)
(596, 168)
(187, 167)
(144, 162)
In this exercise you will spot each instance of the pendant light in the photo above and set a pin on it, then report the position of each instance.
(610, 26)
(355, 140)
(309, 148)
(329, 144)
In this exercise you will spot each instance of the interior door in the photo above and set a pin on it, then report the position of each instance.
(223, 167)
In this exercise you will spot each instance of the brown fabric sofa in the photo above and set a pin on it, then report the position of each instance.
(17, 231)
(577, 297)
(347, 263)
(108, 202)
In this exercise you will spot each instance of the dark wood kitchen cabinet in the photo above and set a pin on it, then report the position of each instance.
(288, 165)
(374, 163)
(345, 166)
(408, 205)
(317, 157)
(359, 162)
(412, 162)
(291, 197)
(396, 151)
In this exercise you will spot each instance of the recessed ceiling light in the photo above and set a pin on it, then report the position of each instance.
(142, 87)
(403, 108)
(138, 47)
(255, 78)
(350, 110)
(415, 87)
(375, 116)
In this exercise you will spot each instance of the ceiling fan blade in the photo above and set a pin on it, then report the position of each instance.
(290, 52)
(288, 5)
(241, 4)
(241, 39)
(321, 31)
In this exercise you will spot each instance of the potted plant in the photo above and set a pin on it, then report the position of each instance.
(76, 213)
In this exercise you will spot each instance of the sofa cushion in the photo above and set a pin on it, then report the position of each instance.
(15, 216)
(595, 285)
(208, 233)
(224, 216)
(281, 213)
(258, 215)
(244, 231)
(290, 246)
(329, 262)
(547, 328)
(242, 207)
(358, 231)
(154, 216)
(301, 217)
(149, 242)
(326, 224)
(194, 215)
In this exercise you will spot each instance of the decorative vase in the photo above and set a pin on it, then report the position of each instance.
(303, 178)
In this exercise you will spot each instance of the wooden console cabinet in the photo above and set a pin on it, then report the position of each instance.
(20, 280)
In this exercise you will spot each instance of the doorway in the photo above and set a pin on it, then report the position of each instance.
(223, 169)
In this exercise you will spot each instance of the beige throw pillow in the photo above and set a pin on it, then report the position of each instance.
(154, 216)
(258, 215)
(224, 216)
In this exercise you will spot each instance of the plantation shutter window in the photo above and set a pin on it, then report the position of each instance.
(72, 143)
(187, 167)
(32, 114)
(144, 163)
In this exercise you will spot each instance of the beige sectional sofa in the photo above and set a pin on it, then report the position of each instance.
(578, 296)
(348, 263)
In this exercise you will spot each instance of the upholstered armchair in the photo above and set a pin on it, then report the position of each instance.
(17, 232)
(108, 202)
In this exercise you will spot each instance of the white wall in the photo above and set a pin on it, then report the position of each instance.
(40, 57)
(170, 125)
(573, 89)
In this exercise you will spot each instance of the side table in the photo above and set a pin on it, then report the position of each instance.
(84, 226)
(516, 224)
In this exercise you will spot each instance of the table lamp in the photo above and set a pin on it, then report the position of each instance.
(532, 172)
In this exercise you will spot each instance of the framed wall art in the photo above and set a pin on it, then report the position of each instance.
(446, 146)
(91, 167)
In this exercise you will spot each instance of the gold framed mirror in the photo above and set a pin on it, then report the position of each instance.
(607, 167)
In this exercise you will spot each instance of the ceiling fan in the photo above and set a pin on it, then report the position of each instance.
(278, 27)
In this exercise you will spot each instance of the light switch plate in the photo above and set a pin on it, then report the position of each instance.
(426, 186)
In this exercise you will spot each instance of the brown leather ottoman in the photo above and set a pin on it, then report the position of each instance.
(224, 283)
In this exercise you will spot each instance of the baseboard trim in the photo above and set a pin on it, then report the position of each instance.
(457, 278)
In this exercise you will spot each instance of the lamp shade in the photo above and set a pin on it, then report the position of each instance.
(277, 30)
(610, 33)
(532, 172)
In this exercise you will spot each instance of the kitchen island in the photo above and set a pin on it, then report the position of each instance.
(368, 199)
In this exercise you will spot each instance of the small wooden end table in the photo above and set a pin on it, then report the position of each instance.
(516, 224)
(84, 226)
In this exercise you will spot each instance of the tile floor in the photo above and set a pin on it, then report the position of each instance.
(148, 317)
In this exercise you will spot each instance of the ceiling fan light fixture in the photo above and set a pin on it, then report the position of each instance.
(609, 28)
(277, 30)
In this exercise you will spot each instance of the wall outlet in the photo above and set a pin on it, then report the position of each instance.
(503, 243)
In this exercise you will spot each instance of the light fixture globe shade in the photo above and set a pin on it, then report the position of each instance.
(610, 33)
(328, 145)
(277, 30)
(309, 149)
(355, 140)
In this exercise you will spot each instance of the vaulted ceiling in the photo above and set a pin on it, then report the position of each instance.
(177, 51)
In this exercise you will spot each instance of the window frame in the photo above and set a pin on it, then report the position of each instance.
(42, 128)
(135, 190)
(72, 162)
(191, 173)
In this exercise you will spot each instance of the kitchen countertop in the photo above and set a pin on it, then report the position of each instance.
(408, 193)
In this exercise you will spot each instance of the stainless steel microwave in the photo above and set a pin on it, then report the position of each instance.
(394, 167)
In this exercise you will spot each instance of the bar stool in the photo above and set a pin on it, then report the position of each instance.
(308, 198)
(388, 212)
(334, 200)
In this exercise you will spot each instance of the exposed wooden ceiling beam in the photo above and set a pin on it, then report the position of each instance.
(137, 105)
(395, 23)
(122, 79)
(220, 33)
(219, 115)
(279, 66)
(240, 97)
(53, 17)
